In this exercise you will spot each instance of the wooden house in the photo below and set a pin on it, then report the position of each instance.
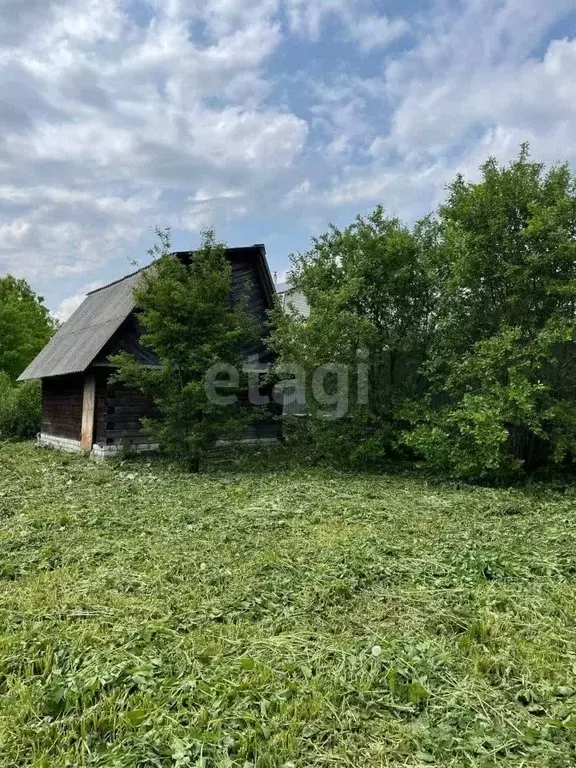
(82, 410)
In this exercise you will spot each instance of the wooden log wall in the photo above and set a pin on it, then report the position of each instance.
(124, 407)
(245, 283)
(119, 410)
(102, 376)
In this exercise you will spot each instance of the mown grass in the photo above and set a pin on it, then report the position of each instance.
(294, 617)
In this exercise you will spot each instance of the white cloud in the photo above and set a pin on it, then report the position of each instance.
(70, 304)
(471, 86)
(368, 29)
(307, 16)
(212, 206)
(195, 113)
(110, 118)
(14, 232)
(373, 31)
(68, 230)
(298, 195)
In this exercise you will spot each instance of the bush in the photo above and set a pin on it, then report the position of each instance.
(358, 442)
(20, 408)
(467, 326)
(503, 352)
(370, 306)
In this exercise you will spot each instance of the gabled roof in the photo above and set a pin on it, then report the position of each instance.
(77, 343)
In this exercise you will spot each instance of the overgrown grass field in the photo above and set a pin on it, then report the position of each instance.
(281, 617)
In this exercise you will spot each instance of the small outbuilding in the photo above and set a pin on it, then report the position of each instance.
(82, 409)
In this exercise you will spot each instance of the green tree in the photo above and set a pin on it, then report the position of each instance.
(371, 310)
(502, 360)
(25, 325)
(191, 323)
(20, 408)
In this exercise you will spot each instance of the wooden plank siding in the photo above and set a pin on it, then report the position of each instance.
(126, 339)
(245, 282)
(62, 399)
(120, 411)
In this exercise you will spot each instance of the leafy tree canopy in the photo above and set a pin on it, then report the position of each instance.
(475, 305)
(191, 323)
(25, 325)
(371, 309)
(503, 351)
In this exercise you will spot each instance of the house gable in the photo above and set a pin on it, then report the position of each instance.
(104, 323)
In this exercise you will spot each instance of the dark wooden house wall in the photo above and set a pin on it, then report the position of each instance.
(246, 282)
(124, 409)
(120, 408)
(118, 412)
(62, 398)
(126, 339)
(100, 412)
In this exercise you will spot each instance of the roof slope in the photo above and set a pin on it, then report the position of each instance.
(75, 345)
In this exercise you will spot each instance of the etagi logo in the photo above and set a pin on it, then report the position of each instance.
(328, 386)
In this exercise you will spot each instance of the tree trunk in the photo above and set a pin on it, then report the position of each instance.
(193, 464)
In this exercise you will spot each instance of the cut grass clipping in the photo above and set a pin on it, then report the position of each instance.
(251, 617)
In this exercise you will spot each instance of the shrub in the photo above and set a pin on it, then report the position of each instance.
(468, 325)
(503, 355)
(20, 408)
(360, 441)
(25, 325)
(370, 312)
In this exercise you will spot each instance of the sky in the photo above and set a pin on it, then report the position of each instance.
(265, 119)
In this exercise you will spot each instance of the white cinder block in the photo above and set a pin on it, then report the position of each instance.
(98, 451)
(109, 451)
(61, 443)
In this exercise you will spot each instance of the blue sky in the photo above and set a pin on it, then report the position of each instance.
(266, 119)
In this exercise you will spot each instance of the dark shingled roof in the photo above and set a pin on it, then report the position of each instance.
(76, 343)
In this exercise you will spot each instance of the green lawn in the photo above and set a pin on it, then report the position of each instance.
(281, 617)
